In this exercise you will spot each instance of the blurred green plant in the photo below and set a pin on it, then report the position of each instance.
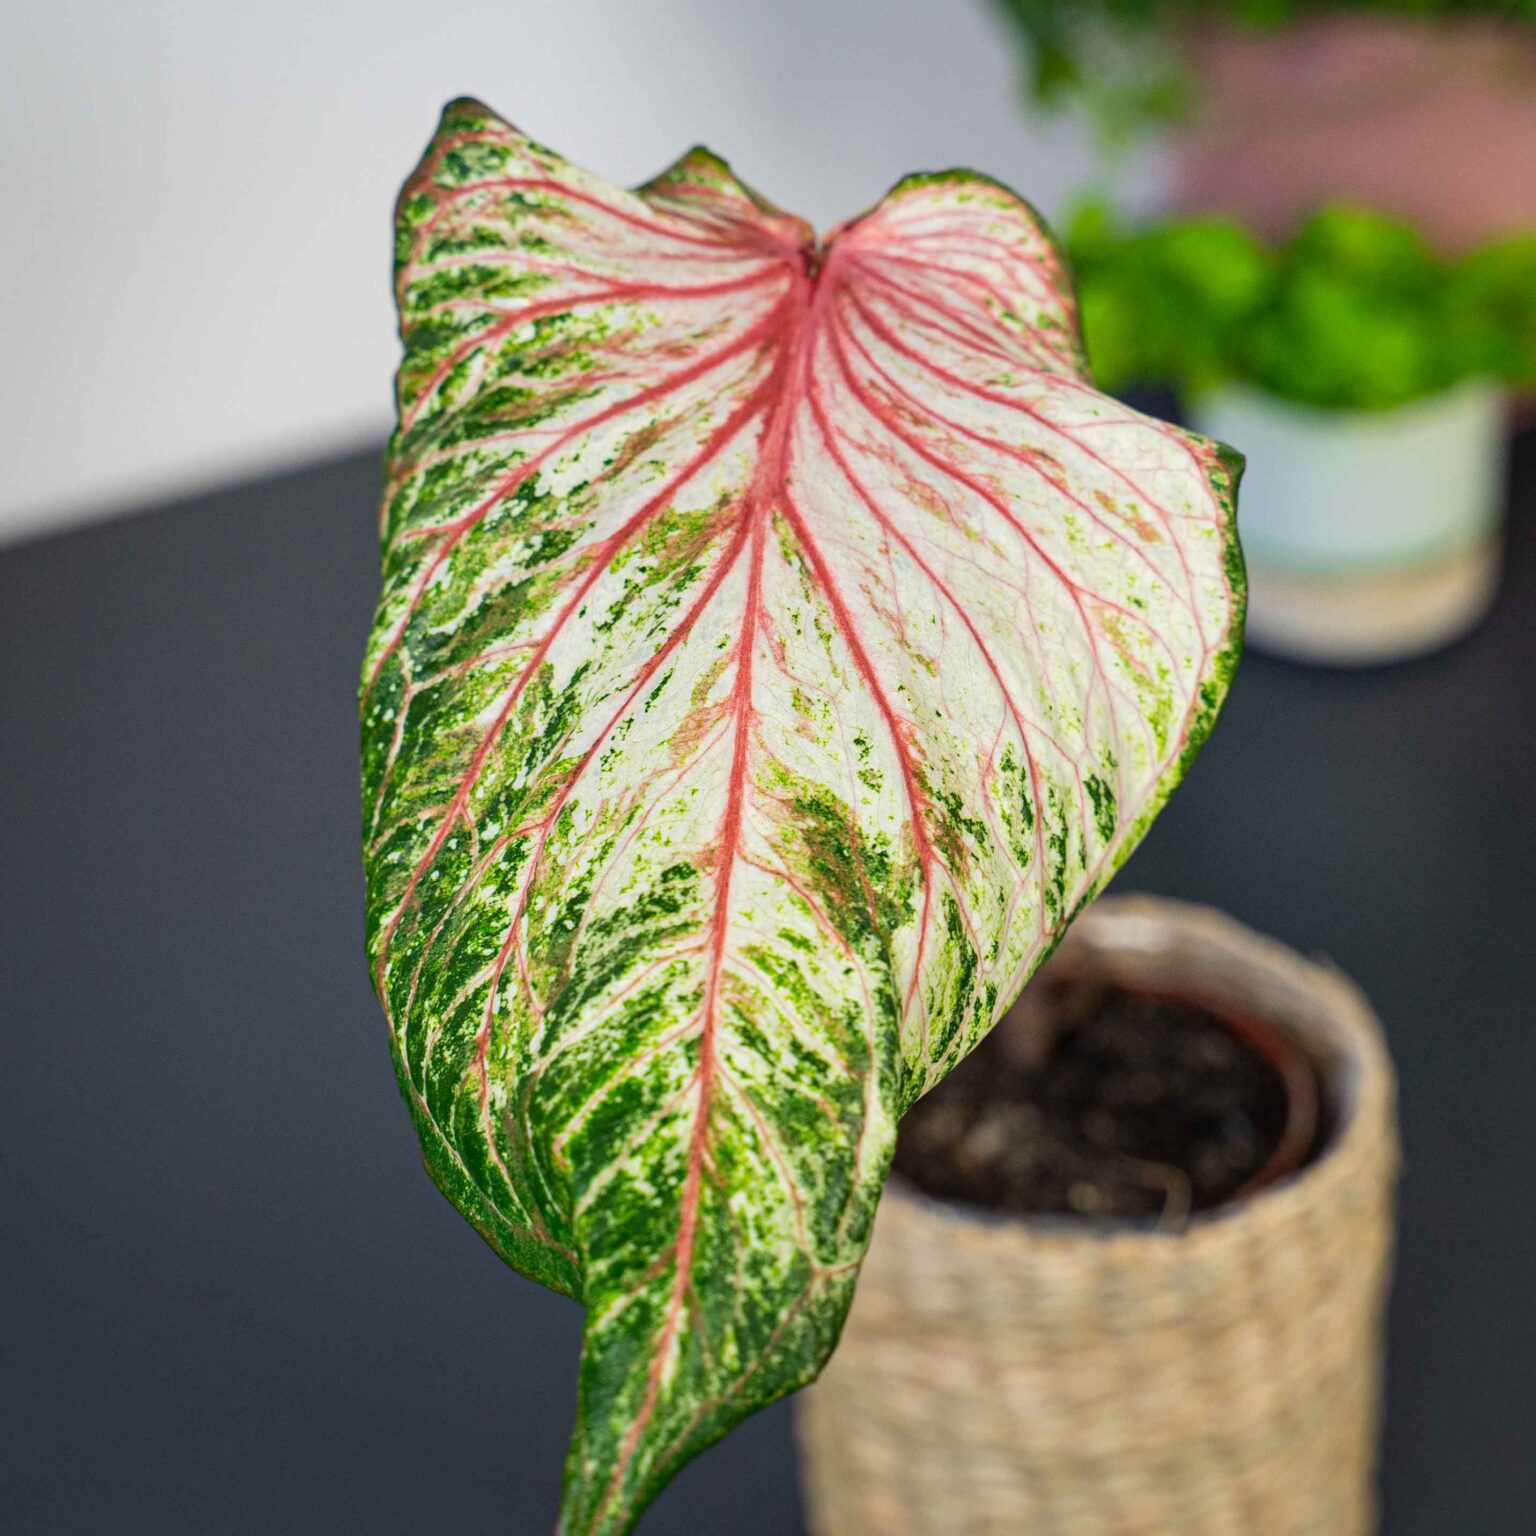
(1123, 59)
(1353, 312)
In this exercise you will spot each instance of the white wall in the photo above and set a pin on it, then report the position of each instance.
(194, 262)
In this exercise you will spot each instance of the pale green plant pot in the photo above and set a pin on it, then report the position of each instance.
(1370, 536)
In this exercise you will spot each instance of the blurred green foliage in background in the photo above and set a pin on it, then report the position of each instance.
(1123, 60)
(1355, 311)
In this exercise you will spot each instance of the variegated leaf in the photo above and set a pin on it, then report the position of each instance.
(779, 641)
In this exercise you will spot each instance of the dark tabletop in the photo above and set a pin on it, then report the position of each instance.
(232, 1300)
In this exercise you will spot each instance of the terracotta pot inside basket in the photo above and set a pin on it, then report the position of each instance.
(1099, 1101)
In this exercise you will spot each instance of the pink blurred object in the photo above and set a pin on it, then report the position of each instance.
(1433, 120)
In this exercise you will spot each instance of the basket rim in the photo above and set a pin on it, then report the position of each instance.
(1356, 1073)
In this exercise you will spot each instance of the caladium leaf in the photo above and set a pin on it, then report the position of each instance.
(779, 641)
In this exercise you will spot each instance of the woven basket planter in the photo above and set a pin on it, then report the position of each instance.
(1057, 1378)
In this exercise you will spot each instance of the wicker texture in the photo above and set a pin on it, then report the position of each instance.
(1052, 1379)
